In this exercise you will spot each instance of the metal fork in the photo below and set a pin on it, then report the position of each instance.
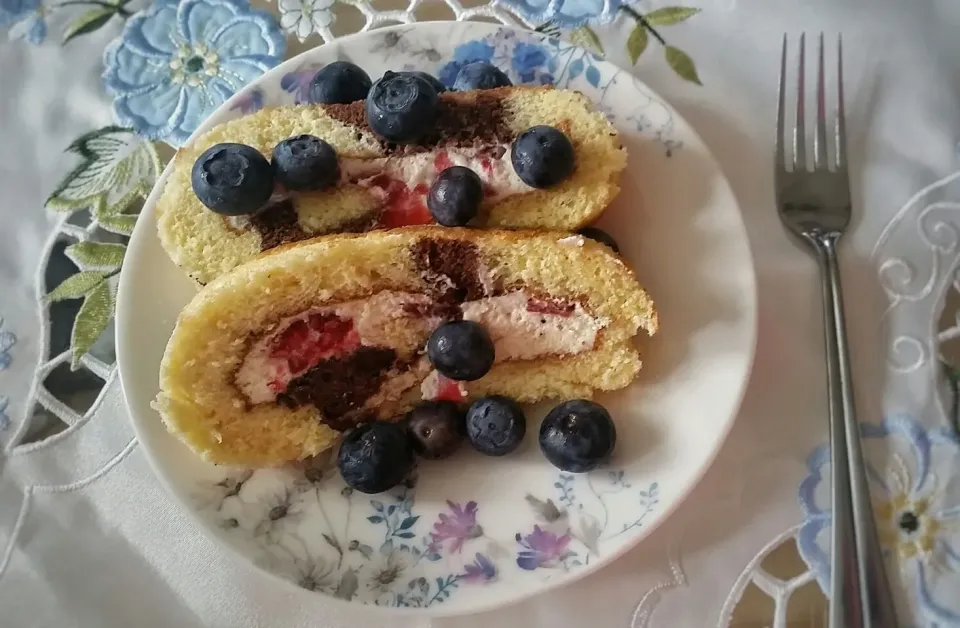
(815, 206)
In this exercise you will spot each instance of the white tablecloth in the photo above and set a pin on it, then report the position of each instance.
(89, 539)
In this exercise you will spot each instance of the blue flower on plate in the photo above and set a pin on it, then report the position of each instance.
(527, 59)
(564, 13)
(26, 19)
(916, 499)
(524, 62)
(469, 52)
(175, 63)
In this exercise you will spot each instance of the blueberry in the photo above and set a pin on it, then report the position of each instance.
(461, 350)
(542, 156)
(375, 457)
(232, 179)
(401, 108)
(340, 82)
(436, 428)
(600, 236)
(437, 85)
(577, 436)
(305, 162)
(496, 425)
(454, 198)
(480, 75)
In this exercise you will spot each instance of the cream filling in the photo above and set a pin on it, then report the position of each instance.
(417, 172)
(381, 320)
(499, 178)
(519, 334)
(386, 320)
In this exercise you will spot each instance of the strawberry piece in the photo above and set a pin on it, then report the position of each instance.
(305, 343)
(403, 206)
(442, 161)
(449, 390)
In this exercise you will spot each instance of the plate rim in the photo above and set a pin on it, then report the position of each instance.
(124, 328)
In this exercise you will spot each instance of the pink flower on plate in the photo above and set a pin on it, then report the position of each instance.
(459, 526)
(480, 570)
(298, 81)
(542, 548)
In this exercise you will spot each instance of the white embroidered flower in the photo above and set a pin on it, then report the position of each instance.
(303, 17)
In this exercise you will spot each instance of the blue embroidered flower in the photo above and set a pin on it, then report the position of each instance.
(175, 63)
(469, 52)
(26, 19)
(564, 13)
(916, 499)
(7, 340)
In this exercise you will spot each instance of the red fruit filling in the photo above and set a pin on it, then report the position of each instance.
(401, 205)
(442, 161)
(448, 390)
(306, 342)
(560, 307)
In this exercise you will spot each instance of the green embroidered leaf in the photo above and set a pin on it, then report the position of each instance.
(121, 224)
(116, 162)
(585, 37)
(637, 42)
(92, 319)
(96, 255)
(682, 64)
(668, 16)
(76, 286)
(112, 219)
(88, 22)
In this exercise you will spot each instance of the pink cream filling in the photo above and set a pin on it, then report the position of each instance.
(522, 327)
(402, 183)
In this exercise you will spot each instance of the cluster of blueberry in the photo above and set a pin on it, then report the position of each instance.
(576, 436)
(235, 179)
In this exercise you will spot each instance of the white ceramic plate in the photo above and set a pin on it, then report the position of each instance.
(473, 532)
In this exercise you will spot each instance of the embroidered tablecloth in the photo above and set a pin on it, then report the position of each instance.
(95, 94)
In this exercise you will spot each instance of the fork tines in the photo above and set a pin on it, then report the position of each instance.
(798, 160)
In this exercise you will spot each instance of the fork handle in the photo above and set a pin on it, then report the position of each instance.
(860, 594)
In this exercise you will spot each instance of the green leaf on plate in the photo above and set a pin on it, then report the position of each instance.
(76, 286)
(668, 16)
(116, 165)
(585, 37)
(89, 22)
(96, 255)
(637, 42)
(682, 64)
(92, 319)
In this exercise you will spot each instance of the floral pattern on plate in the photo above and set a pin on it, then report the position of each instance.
(527, 59)
(917, 512)
(307, 526)
(442, 539)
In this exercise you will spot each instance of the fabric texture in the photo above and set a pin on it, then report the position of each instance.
(89, 538)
